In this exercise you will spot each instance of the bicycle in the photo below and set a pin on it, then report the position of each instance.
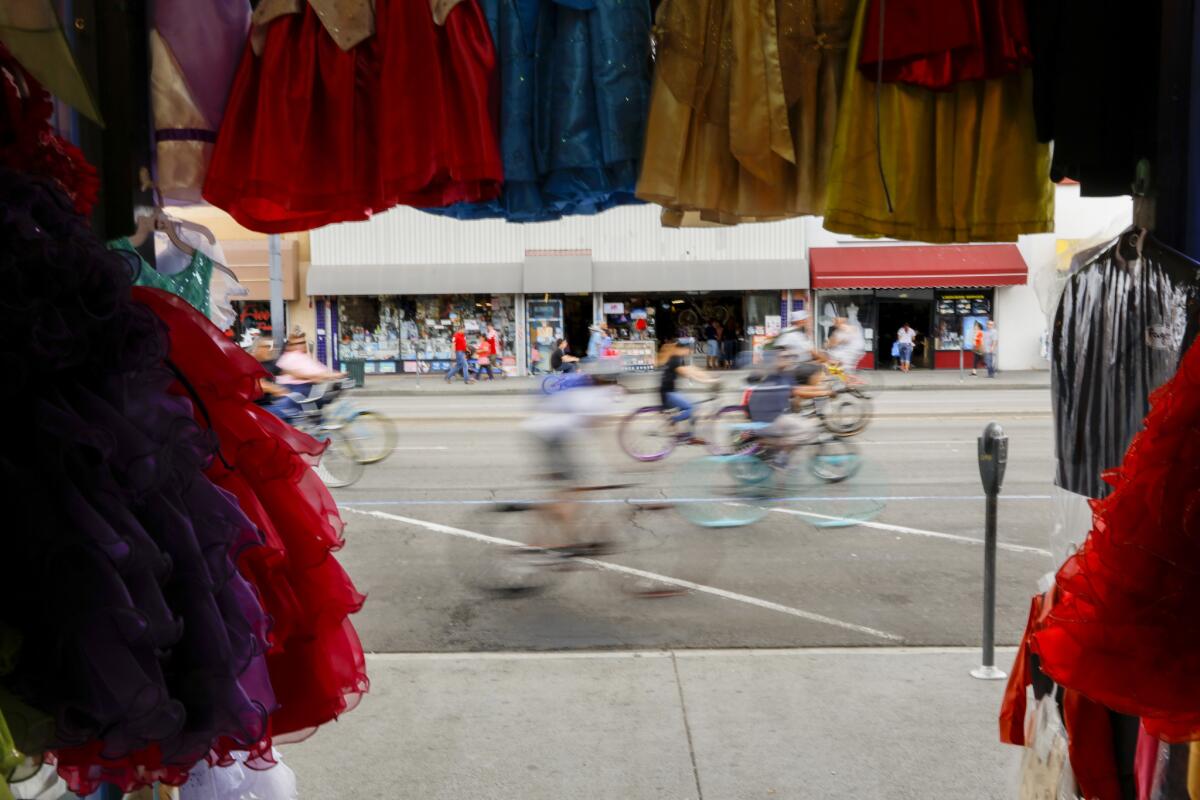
(855, 383)
(736, 490)
(650, 433)
(340, 463)
(844, 412)
(574, 530)
(557, 381)
(373, 435)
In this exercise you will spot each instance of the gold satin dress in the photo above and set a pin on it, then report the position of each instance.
(744, 110)
(960, 166)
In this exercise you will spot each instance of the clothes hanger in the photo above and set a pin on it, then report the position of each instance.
(171, 226)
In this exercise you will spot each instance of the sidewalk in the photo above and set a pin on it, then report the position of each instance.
(926, 380)
(685, 725)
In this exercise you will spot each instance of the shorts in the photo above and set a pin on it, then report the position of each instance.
(710, 348)
(906, 351)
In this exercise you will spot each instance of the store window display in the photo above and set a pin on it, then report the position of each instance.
(407, 334)
(858, 309)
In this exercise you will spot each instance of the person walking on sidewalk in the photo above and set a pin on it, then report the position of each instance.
(460, 357)
(977, 348)
(906, 337)
(991, 344)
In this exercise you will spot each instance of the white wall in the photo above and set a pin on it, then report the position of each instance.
(633, 233)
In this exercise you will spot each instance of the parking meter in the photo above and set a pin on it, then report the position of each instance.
(993, 458)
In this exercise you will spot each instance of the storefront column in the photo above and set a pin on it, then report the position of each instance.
(598, 308)
(521, 348)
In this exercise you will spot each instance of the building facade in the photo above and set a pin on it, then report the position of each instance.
(391, 290)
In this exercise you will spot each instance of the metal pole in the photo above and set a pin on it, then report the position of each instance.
(962, 370)
(993, 460)
(275, 273)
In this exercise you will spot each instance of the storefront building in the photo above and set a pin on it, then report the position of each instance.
(380, 295)
(944, 292)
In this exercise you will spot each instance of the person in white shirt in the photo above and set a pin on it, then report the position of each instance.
(846, 344)
(906, 337)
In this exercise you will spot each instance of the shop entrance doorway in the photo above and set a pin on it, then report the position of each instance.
(892, 315)
(577, 317)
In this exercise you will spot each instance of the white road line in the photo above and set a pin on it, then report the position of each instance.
(881, 526)
(734, 652)
(605, 565)
(403, 447)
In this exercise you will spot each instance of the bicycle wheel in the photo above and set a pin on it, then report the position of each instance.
(722, 491)
(372, 436)
(836, 487)
(728, 432)
(846, 413)
(510, 570)
(551, 383)
(647, 434)
(688, 318)
(339, 465)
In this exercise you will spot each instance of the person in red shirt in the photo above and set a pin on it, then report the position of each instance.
(489, 351)
(460, 357)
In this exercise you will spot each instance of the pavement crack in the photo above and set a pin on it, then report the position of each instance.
(687, 727)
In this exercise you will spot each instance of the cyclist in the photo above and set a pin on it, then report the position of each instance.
(674, 359)
(298, 371)
(558, 424)
(561, 359)
(275, 398)
(847, 345)
(801, 359)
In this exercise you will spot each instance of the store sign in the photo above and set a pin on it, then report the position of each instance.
(963, 296)
(774, 324)
(614, 308)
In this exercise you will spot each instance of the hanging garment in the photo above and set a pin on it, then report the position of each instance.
(1118, 334)
(192, 283)
(1086, 54)
(29, 144)
(957, 166)
(315, 660)
(194, 50)
(575, 88)
(936, 44)
(223, 288)
(315, 134)
(1122, 630)
(744, 108)
(138, 636)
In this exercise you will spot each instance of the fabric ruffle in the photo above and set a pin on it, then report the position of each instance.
(316, 661)
(1123, 629)
(139, 637)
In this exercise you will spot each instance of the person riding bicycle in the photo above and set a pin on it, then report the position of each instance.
(558, 424)
(846, 345)
(275, 398)
(674, 359)
(801, 359)
(298, 371)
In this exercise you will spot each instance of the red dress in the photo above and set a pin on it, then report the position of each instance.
(1123, 631)
(936, 44)
(314, 134)
(315, 661)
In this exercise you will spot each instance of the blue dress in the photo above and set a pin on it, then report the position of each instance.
(575, 79)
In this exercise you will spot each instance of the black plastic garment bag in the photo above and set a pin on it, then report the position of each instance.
(1123, 322)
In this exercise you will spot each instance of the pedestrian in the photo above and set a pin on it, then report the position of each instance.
(977, 348)
(729, 345)
(489, 352)
(906, 338)
(460, 358)
(710, 344)
(561, 359)
(595, 345)
(535, 360)
(991, 345)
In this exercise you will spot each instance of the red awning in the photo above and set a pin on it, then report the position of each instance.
(931, 266)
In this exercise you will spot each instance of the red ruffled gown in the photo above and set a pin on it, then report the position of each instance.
(315, 660)
(314, 134)
(1123, 629)
(936, 44)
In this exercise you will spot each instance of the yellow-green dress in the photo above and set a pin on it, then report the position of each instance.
(744, 108)
(960, 166)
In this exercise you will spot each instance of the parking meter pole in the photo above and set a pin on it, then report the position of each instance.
(993, 459)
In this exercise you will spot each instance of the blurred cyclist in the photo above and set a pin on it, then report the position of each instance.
(275, 398)
(298, 371)
(846, 345)
(674, 359)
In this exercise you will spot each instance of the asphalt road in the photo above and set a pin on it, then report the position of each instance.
(417, 528)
